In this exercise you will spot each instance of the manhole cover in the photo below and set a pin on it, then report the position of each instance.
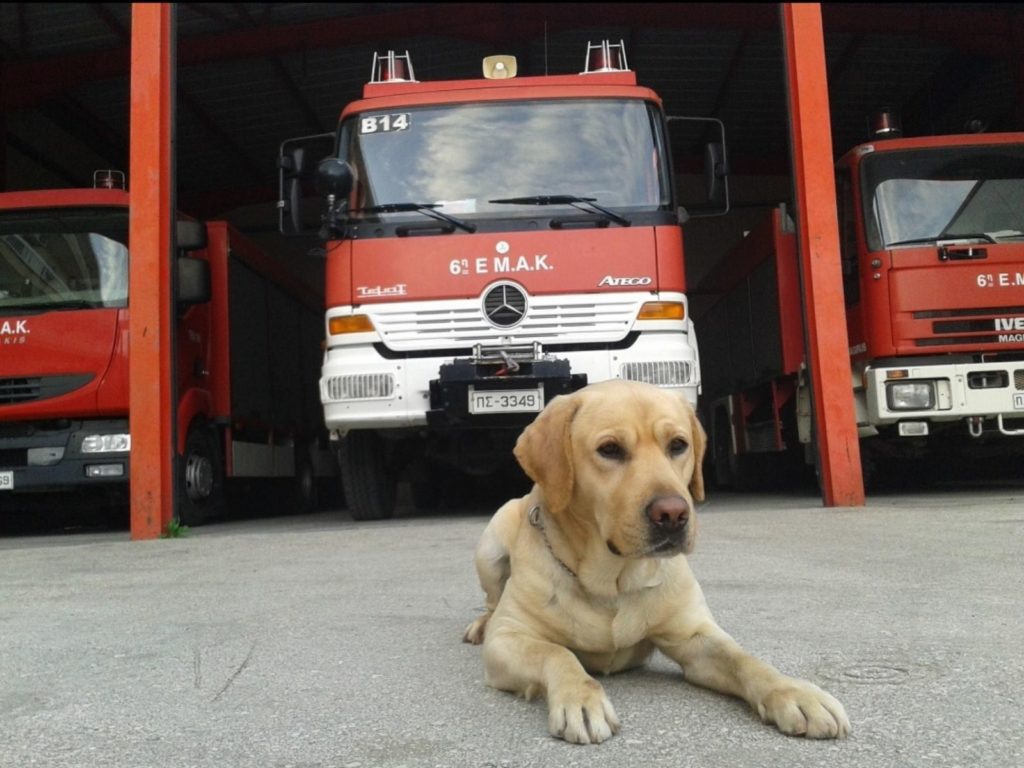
(874, 673)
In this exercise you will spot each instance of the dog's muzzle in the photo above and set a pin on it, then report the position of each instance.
(667, 520)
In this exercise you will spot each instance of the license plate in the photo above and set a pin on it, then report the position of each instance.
(506, 400)
(6, 481)
(1018, 401)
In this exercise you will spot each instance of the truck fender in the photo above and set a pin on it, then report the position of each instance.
(193, 403)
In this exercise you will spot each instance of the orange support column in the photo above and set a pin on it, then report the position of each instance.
(818, 241)
(150, 370)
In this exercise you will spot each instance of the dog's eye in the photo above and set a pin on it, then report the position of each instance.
(677, 447)
(612, 451)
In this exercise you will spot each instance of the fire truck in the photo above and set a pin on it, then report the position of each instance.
(490, 244)
(932, 250)
(246, 358)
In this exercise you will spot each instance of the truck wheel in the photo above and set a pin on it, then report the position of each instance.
(305, 496)
(425, 484)
(723, 459)
(200, 478)
(371, 482)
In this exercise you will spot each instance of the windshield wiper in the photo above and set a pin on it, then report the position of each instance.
(427, 209)
(573, 200)
(944, 238)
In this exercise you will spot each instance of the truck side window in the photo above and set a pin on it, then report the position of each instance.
(848, 238)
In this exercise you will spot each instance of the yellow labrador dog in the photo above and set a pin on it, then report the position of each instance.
(586, 572)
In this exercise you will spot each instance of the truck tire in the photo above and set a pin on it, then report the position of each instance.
(723, 460)
(425, 485)
(305, 495)
(369, 476)
(200, 478)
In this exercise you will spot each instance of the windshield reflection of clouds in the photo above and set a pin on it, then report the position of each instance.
(40, 269)
(915, 208)
(465, 155)
(112, 263)
(944, 193)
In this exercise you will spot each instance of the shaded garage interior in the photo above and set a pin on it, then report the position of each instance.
(251, 75)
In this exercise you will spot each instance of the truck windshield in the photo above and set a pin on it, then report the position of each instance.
(63, 259)
(461, 156)
(924, 195)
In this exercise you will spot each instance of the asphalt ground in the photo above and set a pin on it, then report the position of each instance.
(316, 641)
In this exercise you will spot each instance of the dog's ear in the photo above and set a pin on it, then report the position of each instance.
(544, 451)
(699, 444)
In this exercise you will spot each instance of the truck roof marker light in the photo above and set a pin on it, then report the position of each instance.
(350, 324)
(662, 310)
(392, 68)
(886, 124)
(605, 57)
(109, 180)
(500, 67)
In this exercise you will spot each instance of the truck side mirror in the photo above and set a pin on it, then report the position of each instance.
(193, 281)
(706, 134)
(190, 235)
(297, 171)
(716, 175)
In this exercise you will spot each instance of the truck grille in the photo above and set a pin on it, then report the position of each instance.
(663, 373)
(982, 325)
(11, 458)
(549, 319)
(359, 386)
(19, 390)
(25, 389)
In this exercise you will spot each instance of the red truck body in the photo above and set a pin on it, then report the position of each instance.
(246, 356)
(932, 247)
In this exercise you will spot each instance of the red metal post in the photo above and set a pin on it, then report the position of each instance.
(818, 242)
(151, 216)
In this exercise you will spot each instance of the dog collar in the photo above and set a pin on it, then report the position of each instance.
(536, 522)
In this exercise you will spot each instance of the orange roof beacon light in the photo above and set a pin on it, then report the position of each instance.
(392, 68)
(886, 124)
(109, 180)
(606, 57)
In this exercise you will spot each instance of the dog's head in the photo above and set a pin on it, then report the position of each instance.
(624, 456)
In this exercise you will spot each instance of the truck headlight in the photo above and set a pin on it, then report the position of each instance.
(662, 310)
(910, 395)
(350, 324)
(45, 457)
(117, 443)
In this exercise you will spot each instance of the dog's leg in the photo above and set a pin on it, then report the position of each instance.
(492, 566)
(711, 658)
(578, 710)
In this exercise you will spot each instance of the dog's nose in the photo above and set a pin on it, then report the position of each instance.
(668, 512)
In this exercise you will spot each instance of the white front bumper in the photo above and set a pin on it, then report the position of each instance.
(958, 389)
(366, 404)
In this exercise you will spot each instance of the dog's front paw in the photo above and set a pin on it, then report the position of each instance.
(475, 631)
(582, 714)
(800, 708)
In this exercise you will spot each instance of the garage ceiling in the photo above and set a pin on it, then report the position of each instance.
(253, 74)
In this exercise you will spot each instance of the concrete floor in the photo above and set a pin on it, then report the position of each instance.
(317, 641)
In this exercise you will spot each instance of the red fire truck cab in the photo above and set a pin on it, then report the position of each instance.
(246, 357)
(491, 244)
